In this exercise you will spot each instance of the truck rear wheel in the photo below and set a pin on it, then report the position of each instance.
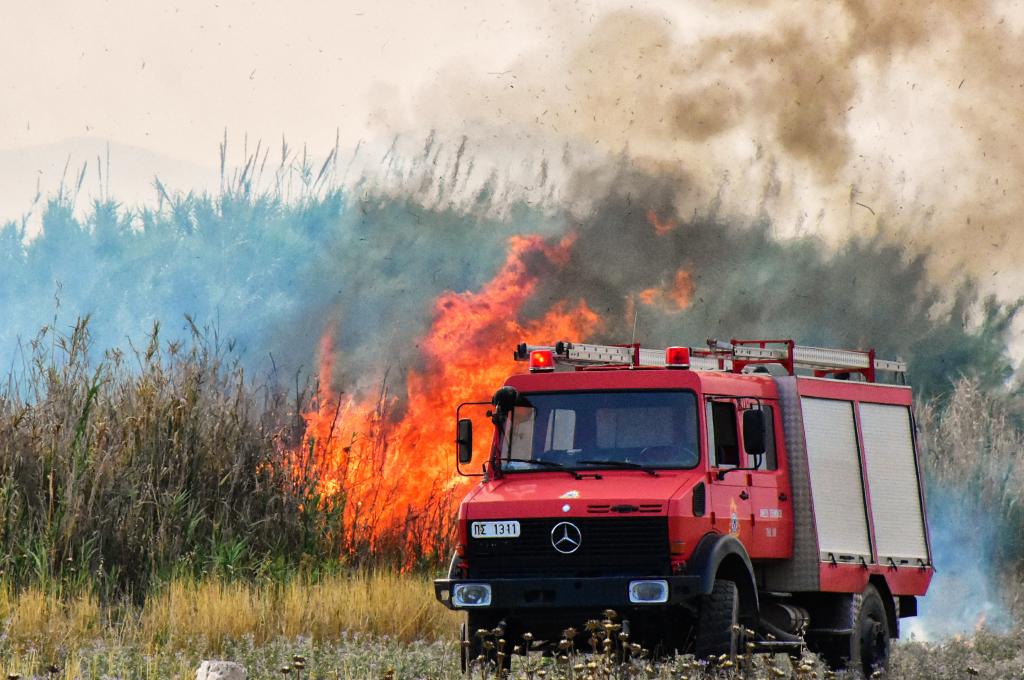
(718, 623)
(867, 648)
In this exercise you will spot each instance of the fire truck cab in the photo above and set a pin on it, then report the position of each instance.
(701, 493)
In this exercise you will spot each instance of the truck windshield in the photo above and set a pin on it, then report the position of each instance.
(590, 430)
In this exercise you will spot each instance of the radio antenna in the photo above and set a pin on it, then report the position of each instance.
(636, 313)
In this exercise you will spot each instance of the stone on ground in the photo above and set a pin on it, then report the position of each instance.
(220, 670)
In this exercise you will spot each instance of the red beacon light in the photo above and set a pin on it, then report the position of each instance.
(677, 357)
(542, 361)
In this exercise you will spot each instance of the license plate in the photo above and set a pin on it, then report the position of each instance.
(507, 529)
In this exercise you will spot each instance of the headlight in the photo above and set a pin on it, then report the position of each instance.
(471, 595)
(648, 592)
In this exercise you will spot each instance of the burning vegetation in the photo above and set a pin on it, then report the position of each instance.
(389, 457)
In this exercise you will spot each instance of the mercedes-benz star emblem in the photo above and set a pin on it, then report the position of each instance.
(566, 537)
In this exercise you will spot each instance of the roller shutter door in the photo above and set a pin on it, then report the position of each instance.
(892, 480)
(833, 461)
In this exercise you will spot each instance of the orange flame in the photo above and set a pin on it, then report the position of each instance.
(649, 296)
(660, 228)
(677, 297)
(390, 461)
(682, 290)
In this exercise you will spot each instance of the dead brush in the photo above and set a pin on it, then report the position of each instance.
(605, 650)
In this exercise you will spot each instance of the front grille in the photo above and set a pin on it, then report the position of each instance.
(602, 508)
(610, 546)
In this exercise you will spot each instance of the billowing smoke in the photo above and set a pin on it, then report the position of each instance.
(668, 277)
(273, 276)
(968, 591)
(833, 119)
(975, 477)
(269, 277)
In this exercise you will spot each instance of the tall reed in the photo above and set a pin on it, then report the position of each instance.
(164, 460)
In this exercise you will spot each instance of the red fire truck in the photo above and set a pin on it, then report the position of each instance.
(699, 492)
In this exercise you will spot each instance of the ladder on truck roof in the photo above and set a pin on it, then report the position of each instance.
(733, 356)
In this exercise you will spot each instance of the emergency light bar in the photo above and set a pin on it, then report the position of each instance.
(541, 361)
(732, 356)
(677, 357)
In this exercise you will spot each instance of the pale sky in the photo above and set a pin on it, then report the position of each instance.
(170, 76)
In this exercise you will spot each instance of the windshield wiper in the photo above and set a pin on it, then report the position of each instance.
(621, 464)
(545, 463)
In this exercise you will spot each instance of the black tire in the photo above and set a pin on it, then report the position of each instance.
(464, 647)
(474, 646)
(718, 623)
(867, 649)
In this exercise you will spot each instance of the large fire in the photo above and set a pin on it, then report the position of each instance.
(390, 461)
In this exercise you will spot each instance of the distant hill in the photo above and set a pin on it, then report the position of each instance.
(132, 170)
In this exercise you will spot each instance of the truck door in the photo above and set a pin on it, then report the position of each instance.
(769, 492)
(730, 497)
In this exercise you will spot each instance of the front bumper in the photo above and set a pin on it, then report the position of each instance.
(538, 593)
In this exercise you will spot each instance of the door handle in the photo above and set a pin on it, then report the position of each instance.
(782, 497)
(744, 495)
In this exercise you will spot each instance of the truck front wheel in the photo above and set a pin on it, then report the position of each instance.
(718, 623)
(486, 648)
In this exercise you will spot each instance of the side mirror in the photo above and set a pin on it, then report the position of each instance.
(754, 427)
(464, 441)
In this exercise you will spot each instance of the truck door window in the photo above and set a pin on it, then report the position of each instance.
(769, 460)
(723, 442)
(561, 430)
(522, 426)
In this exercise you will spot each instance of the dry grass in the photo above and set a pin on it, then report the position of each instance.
(366, 624)
(34, 614)
(377, 602)
(211, 613)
